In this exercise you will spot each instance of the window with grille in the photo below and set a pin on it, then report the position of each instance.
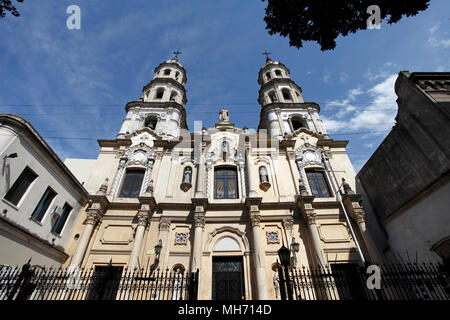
(318, 183)
(225, 183)
(20, 186)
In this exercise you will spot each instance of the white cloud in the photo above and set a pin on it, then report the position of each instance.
(435, 41)
(375, 117)
(343, 77)
(326, 76)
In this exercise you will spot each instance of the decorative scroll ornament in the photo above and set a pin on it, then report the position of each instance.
(255, 220)
(164, 225)
(199, 220)
(306, 156)
(310, 217)
(288, 224)
(142, 218)
(92, 217)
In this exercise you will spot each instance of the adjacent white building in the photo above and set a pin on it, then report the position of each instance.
(40, 199)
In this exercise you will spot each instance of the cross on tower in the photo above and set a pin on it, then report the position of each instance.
(176, 53)
(266, 54)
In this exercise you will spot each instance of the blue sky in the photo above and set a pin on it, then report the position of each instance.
(72, 85)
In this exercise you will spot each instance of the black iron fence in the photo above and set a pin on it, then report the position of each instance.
(411, 281)
(99, 283)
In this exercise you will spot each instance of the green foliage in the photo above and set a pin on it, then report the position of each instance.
(324, 20)
(6, 5)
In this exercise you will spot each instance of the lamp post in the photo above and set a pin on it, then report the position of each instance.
(5, 158)
(285, 256)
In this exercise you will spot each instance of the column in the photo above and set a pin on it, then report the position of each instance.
(288, 225)
(241, 165)
(303, 180)
(118, 176)
(208, 178)
(164, 226)
(258, 255)
(93, 216)
(251, 183)
(199, 222)
(310, 217)
(199, 184)
(142, 218)
(148, 175)
(359, 216)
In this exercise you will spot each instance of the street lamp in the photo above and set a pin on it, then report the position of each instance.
(6, 157)
(285, 256)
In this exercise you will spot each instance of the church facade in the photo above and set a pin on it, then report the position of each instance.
(221, 200)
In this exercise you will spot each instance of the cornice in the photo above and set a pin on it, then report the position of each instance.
(332, 143)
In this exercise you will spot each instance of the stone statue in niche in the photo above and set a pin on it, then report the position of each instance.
(224, 116)
(187, 179)
(187, 176)
(225, 147)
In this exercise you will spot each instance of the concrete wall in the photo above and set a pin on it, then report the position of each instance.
(31, 154)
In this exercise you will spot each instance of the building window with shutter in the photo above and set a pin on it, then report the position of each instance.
(318, 183)
(20, 186)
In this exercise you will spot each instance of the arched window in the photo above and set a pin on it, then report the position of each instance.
(151, 122)
(318, 183)
(268, 76)
(286, 94)
(179, 267)
(177, 75)
(166, 72)
(173, 95)
(225, 183)
(132, 183)
(263, 175)
(298, 122)
(278, 72)
(159, 93)
(273, 96)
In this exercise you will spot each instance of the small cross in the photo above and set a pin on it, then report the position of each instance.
(266, 54)
(176, 53)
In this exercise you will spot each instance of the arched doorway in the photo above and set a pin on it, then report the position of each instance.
(228, 281)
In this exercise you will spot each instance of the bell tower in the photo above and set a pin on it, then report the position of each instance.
(284, 112)
(161, 106)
